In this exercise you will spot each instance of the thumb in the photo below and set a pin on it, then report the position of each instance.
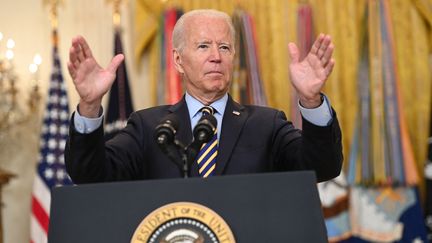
(115, 63)
(293, 52)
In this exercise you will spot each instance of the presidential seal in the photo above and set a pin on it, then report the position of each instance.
(183, 222)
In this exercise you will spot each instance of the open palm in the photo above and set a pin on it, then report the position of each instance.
(309, 75)
(91, 81)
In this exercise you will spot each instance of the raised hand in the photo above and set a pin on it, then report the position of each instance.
(309, 75)
(91, 81)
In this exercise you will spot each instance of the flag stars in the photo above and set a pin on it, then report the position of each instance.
(61, 160)
(61, 175)
(49, 173)
(53, 129)
(50, 158)
(64, 115)
(55, 174)
(54, 99)
(64, 101)
(54, 114)
(55, 85)
(52, 143)
(62, 143)
(56, 72)
(64, 130)
(417, 240)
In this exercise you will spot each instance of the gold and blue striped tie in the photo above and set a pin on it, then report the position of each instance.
(206, 158)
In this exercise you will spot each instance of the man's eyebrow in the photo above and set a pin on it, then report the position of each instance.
(209, 42)
(202, 42)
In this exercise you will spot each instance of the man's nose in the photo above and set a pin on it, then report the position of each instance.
(215, 55)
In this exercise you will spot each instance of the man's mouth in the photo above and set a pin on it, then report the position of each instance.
(214, 72)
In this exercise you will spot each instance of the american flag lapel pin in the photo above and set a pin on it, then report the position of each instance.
(236, 113)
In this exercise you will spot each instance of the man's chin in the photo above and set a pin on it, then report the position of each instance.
(220, 88)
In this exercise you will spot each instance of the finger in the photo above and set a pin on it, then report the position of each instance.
(324, 45)
(71, 69)
(85, 47)
(78, 52)
(72, 56)
(329, 68)
(76, 64)
(74, 53)
(73, 59)
(315, 62)
(294, 53)
(317, 44)
(327, 55)
(115, 63)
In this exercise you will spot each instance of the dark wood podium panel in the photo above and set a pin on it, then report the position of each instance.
(270, 207)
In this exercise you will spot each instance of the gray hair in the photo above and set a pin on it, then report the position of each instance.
(178, 38)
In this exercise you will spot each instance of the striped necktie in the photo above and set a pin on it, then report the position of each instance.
(206, 158)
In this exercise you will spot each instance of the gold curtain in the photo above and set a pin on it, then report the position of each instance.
(276, 23)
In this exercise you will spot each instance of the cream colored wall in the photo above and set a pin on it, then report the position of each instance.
(28, 24)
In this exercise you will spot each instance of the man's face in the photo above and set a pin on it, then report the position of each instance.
(206, 61)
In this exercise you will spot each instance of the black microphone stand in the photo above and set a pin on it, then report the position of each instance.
(185, 163)
(187, 154)
(177, 148)
(184, 158)
(166, 140)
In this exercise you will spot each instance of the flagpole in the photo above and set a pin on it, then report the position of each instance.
(53, 16)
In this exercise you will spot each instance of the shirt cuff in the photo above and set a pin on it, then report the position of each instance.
(321, 116)
(86, 125)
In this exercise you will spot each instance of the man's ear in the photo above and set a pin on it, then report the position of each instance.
(178, 61)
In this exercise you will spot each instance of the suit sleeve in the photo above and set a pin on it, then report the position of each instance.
(90, 159)
(315, 148)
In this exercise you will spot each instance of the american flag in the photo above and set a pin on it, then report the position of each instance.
(51, 168)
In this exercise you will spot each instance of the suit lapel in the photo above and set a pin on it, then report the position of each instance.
(184, 133)
(233, 121)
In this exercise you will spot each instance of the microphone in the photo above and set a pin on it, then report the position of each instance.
(166, 130)
(165, 138)
(205, 128)
(203, 132)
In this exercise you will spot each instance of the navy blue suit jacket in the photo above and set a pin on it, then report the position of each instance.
(253, 139)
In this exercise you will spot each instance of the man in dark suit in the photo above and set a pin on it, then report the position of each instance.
(251, 139)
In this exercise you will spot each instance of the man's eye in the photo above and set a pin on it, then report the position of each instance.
(202, 46)
(225, 48)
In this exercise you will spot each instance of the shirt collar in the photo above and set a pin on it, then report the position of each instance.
(194, 105)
